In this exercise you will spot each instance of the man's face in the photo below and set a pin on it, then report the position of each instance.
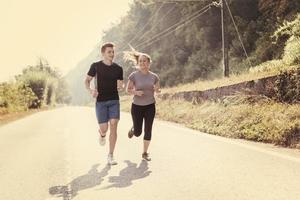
(109, 53)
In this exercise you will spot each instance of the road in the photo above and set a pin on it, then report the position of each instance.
(55, 155)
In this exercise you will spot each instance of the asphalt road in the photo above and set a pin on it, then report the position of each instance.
(55, 155)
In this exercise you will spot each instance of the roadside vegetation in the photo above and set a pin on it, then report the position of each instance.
(258, 118)
(38, 87)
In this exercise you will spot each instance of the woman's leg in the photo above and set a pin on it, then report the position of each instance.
(149, 117)
(137, 119)
(146, 145)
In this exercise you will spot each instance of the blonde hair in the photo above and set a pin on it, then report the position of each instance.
(134, 56)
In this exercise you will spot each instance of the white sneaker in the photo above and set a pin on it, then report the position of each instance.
(111, 160)
(102, 140)
(146, 156)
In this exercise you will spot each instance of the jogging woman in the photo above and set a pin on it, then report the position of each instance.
(142, 84)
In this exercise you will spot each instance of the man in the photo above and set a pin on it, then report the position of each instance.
(109, 78)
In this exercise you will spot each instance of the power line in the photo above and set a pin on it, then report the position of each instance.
(176, 1)
(180, 24)
(161, 19)
(174, 26)
(238, 33)
(168, 33)
(142, 29)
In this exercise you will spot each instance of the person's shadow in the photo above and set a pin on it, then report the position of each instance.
(89, 180)
(127, 175)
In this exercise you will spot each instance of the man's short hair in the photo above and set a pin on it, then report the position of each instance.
(105, 45)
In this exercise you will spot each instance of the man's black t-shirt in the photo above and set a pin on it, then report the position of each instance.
(106, 76)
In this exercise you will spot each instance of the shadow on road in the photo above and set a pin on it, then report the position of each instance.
(89, 180)
(127, 175)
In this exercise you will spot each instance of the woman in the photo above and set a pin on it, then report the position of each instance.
(142, 84)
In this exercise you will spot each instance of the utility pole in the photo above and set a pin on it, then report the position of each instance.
(221, 4)
(224, 42)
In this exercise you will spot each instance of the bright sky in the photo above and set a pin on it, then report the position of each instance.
(62, 31)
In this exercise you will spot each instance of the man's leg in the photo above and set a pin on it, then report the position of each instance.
(114, 116)
(102, 117)
(103, 127)
(113, 125)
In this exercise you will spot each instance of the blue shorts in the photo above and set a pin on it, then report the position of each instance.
(106, 110)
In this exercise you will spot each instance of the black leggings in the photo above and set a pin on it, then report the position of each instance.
(139, 113)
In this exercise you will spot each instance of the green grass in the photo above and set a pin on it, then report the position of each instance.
(267, 69)
(255, 118)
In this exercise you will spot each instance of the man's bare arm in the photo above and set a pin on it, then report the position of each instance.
(87, 82)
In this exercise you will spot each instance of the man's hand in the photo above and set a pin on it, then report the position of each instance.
(120, 85)
(94, 93)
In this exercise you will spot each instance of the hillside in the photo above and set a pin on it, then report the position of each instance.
(75, 79)
(186, 46)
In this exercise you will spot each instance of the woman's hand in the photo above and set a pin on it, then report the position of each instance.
(156, 88)
(138, 93)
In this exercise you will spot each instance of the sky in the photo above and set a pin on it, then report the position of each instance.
(62, 31)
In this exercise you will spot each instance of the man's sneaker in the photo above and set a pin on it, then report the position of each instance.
(146, 156)
(111, 160)
(102, 140)
(130, 133)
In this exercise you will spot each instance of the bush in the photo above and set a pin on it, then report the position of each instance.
(292, 51)
(38, 82)
(46, 83)
(287, 86)
(15, 97)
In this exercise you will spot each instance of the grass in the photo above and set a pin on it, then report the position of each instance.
(255, 118)
(265, 70)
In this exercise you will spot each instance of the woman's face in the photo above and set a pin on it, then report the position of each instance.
(143, 62)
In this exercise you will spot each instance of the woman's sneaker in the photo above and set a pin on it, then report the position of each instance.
(130, 133)
(146, 156)
(111, 160)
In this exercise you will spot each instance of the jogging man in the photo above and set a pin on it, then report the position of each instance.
(109, 78)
